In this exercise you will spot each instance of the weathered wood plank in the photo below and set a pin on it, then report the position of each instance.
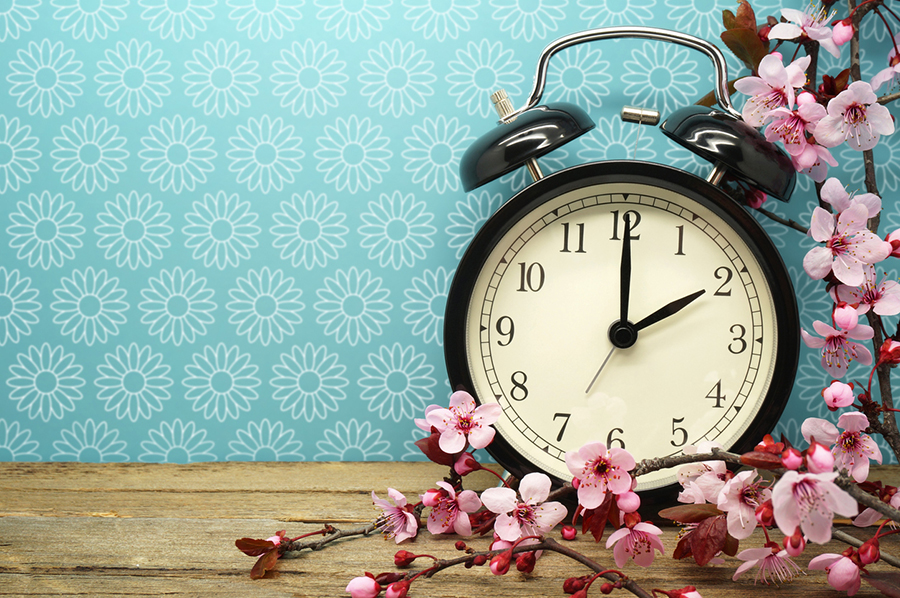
(175, 529)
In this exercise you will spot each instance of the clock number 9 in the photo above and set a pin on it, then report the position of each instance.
(507, 328)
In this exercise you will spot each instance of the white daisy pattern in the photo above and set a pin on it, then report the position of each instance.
(18, 306)
(265, 306)
(479, 71)
(45, 230)
(16, 17)
(18, 154)
(530, 21)
(45, 382)
(397, 382)
(178, 20)
(178, 306)
(353, 441)
(265, 441)
(90, 306)
(432, 154)
(89, 20)
(353, 154)
(309, 230)
(133, 230)
(353, 21)
(221, 382)
(353, 306)
(90, 442)
(662, 77)
(221, 230)
(580, 77)
(177, 442)
(397, 78)
(425, 304)
(89, 154)
(702, 20)
(265, 19)
(133, 382)
(16, 444)
(265, 154)
(134, 78)
(46, 78)
(614, 13)
(309, 78)
(397, 230)
(309, 382)
(614, 139)
(221, 78)
(177, 154)
(447, 22)
(469, 217)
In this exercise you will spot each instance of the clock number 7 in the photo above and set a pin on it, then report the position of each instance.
(562, 430)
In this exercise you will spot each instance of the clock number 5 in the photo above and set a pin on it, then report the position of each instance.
(678, 430)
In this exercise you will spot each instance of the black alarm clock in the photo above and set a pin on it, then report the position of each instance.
(624, 302)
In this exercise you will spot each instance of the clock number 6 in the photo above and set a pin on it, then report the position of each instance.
(610, 440)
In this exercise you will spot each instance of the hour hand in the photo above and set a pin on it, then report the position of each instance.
(668, 310)
(625, 271)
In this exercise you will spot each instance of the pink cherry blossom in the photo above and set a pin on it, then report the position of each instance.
(739, 498)
(855, 116)
(870, 516)
(395, 520)
(702, 481)
(883, 297)
(854, 448)
(810, 500)
(449, 510)
(628, 502)
(532, 516)
(363, 587)
(833, 192)
(819, 458)
(773, 88)
(790, 126)
(814, 161)
(463, 422)
(838, 395)
(599, 470)
(848, 245)
(838, 346)
(889, 74)
(775, 566)
(807, 24)
(843, 573)
(638, 543)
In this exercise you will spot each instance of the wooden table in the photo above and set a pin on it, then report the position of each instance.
(69, 529)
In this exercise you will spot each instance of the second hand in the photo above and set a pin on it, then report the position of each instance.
(597, 375)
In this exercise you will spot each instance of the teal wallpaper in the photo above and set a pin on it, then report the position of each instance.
(228, 227)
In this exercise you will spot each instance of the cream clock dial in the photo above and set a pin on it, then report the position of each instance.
(625, 303)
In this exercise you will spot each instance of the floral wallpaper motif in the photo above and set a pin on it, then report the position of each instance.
(228, 227)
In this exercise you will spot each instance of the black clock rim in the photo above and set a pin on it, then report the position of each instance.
(636, 172)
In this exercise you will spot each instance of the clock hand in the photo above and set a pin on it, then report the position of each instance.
(625, 271)
(668, 310)
(597, 375)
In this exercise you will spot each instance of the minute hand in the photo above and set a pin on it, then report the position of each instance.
(668, 310)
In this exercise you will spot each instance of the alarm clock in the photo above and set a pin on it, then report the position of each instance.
(623, 302)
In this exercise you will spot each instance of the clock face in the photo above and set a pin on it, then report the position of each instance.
(538, 294)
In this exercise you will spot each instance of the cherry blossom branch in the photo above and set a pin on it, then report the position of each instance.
(846, 538)
(888, 98)
(785, 221)
(847, 484)
(293, 549)
(655, 464)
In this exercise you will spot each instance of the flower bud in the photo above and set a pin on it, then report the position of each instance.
(500, 563)
(460, 545)
(755, 198)
(606, 588)
(869, 552)
(479, 560)
(525, 562)
(569, 533)
(845, 316)
(404, 558)
(791, 458)
(818, 458)
(432, 497)
(397, 589)
(894, 239)
(628, 502)
(795, 544)
(765, 514)
(842, 32)
(573, 584)
(839, 394)
(363, 587)
(466, 464)
(889, 352)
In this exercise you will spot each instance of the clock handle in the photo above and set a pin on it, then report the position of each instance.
(652, 33)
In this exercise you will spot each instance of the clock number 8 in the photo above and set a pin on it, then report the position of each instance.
(518, 392)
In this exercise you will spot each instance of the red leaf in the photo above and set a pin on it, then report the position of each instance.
(595, 519)
(690, 513)
(264, 563)
(683, 548)
(887, 582)
(708, 539)
(746, 45)
(253, 547)
(762, 460)
(432, 449)
(731, 545)
(746, 18)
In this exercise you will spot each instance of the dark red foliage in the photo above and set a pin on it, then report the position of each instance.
(431, 448)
